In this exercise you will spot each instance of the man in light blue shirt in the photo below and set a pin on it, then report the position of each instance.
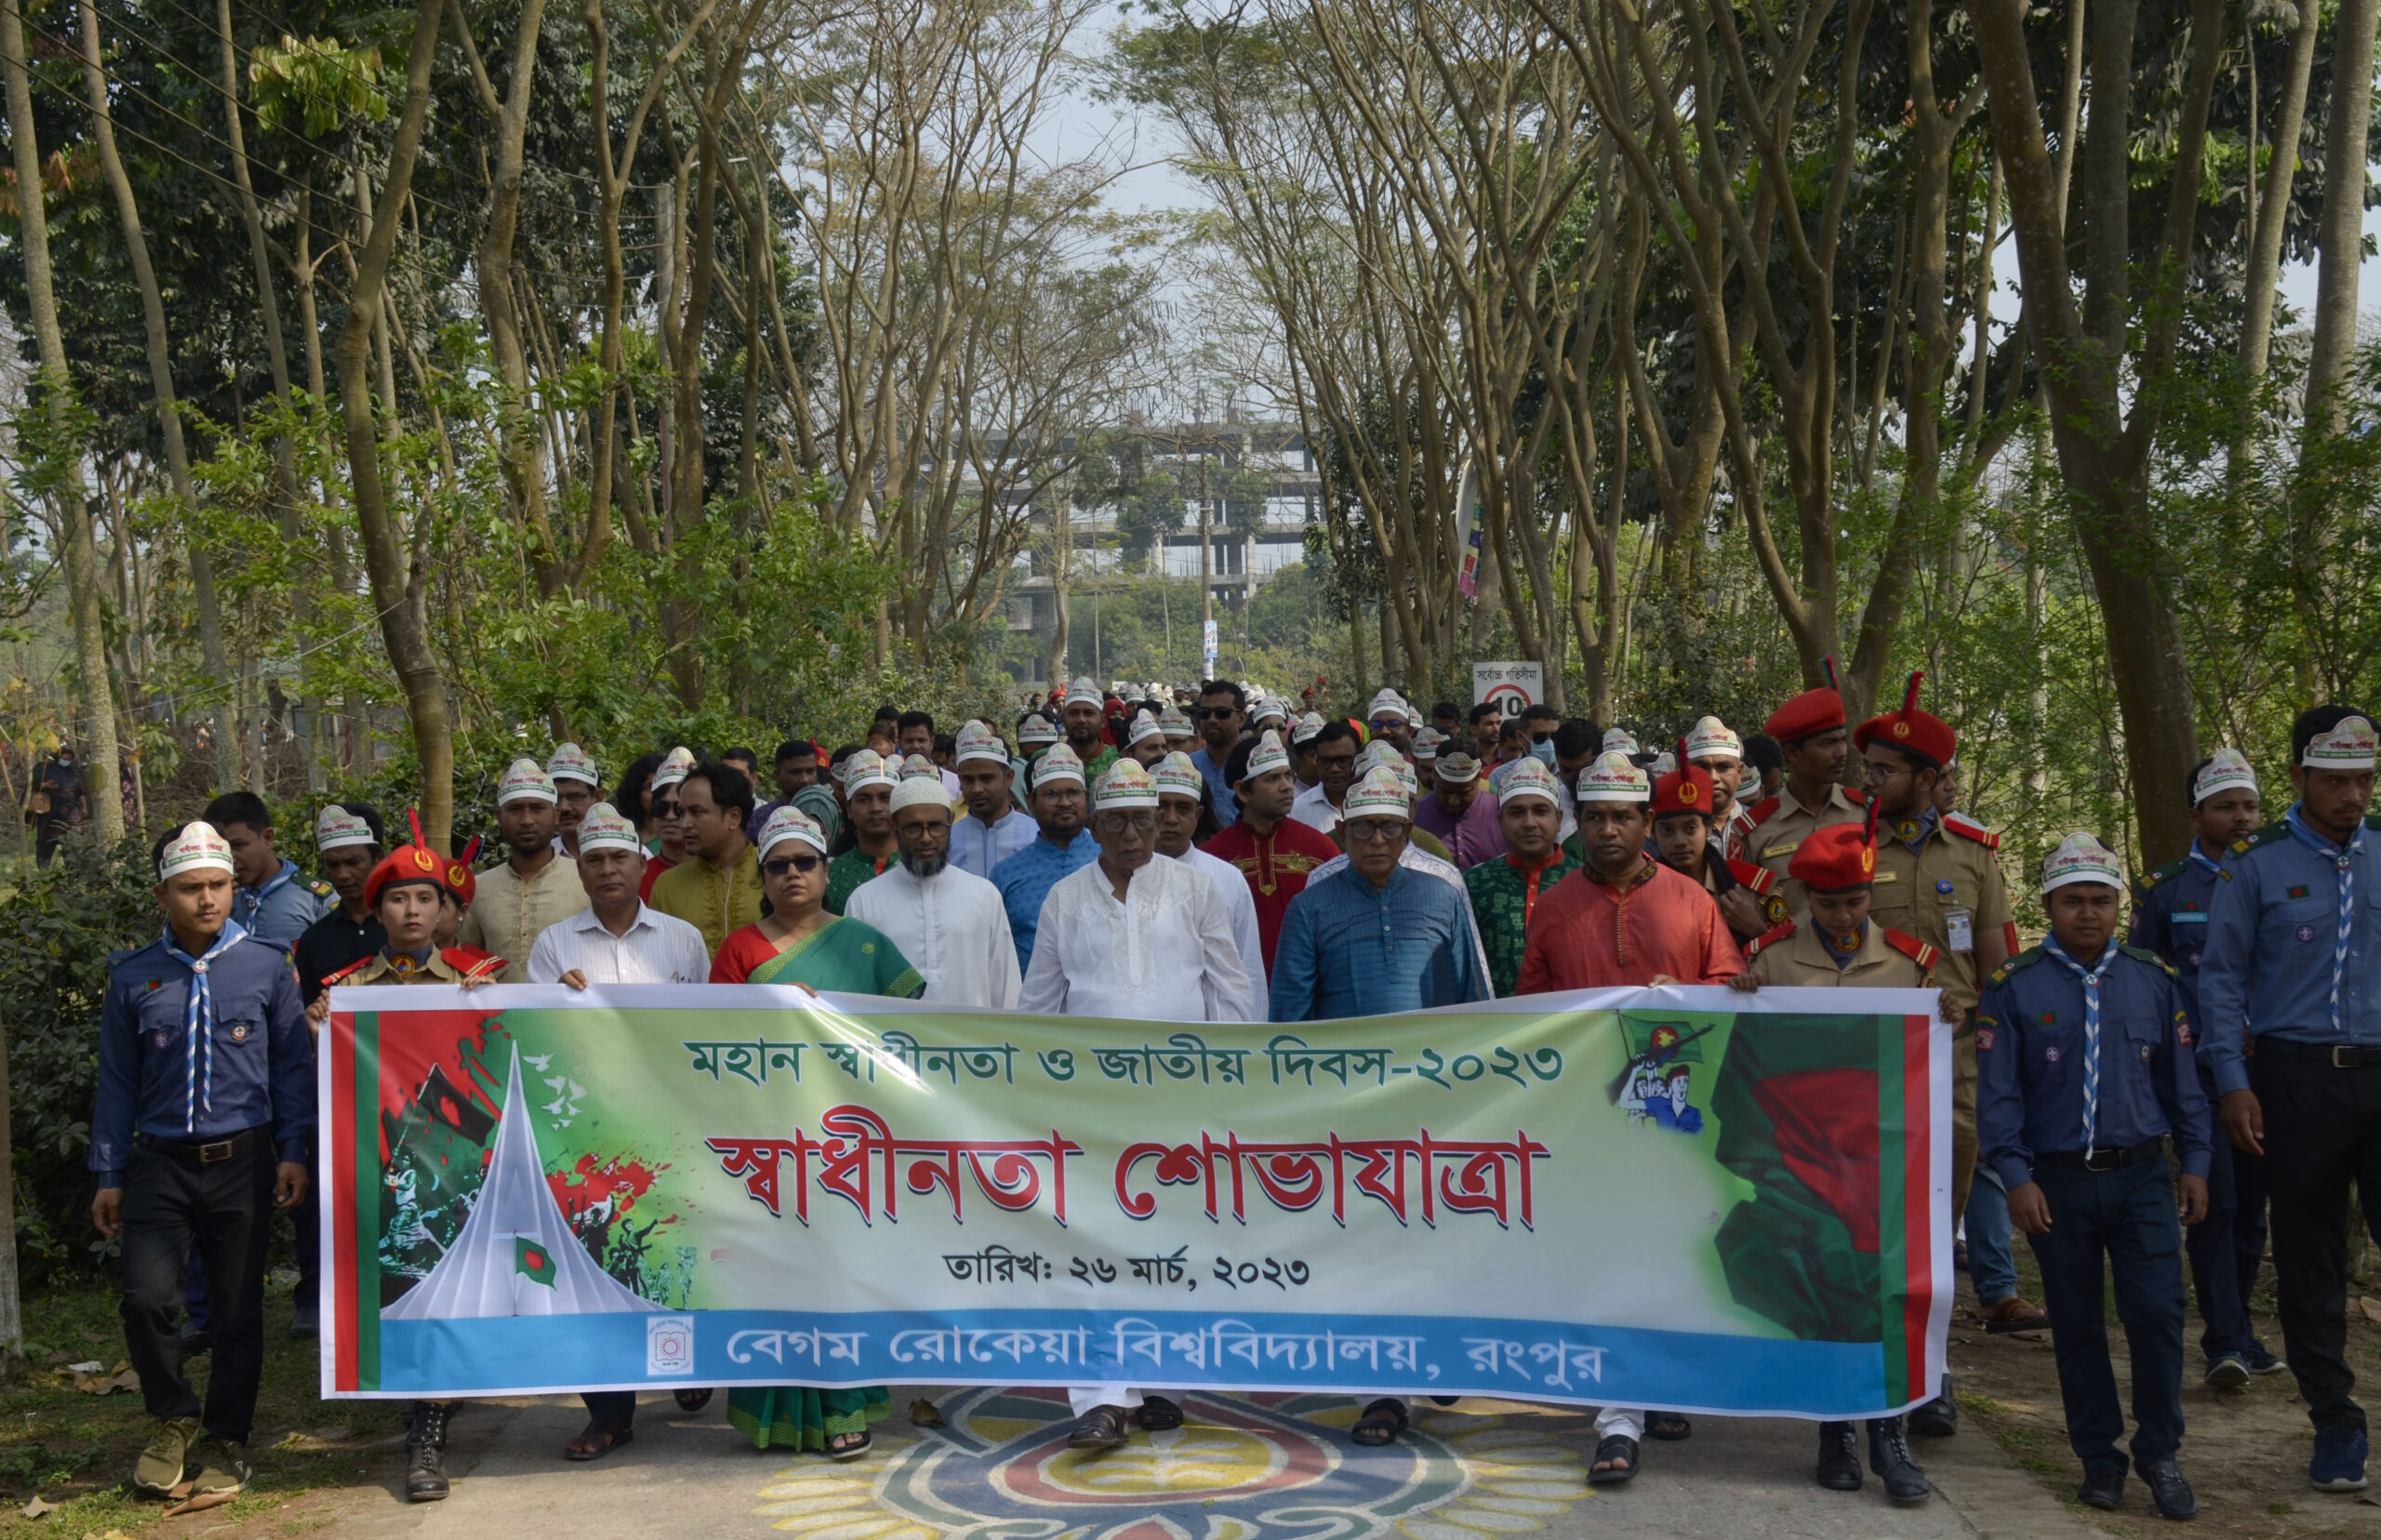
(993, 829)
(2291, 957)
(1064, 846)
(1221, 712)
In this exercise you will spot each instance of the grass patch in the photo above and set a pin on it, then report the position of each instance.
(77, 1450)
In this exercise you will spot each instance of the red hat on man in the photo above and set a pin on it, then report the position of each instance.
(1839, 857)
(1911, 730)
(418, 863)
(1808, 715)
(1686, 788)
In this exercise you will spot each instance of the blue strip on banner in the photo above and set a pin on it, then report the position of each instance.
(1435, 1355)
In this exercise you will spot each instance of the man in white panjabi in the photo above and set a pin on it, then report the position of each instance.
(1179, 787)
(1133, 938)
(948, 923)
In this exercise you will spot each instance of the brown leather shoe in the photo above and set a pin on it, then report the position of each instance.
(2012, 1313)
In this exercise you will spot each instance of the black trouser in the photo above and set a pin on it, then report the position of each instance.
(2125, 1216)
(223, 1211)
(2248, 1213)
(612, 1408)
(2322, 1132)
(2216, 1268)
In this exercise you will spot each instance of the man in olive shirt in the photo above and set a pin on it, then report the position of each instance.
(717, 887)
(1812, 727)
(535, 887)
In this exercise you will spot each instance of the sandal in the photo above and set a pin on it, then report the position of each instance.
(691, 1401)
(1101, 1428)
(1667, 1426)
(1158, 1414)
(1381, 1423)
(848, 1446)
(597, 1440)
(2013, 1313)
(1615, 1461)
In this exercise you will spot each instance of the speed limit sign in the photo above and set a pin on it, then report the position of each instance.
(1512, 688)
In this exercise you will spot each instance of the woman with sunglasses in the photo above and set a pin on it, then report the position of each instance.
(661, 824)
(798, 942)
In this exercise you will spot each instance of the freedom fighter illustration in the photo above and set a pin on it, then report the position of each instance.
(517, 1254)
(1657, 1078)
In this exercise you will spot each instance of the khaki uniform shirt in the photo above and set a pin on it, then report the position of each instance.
(1793, 957)
(1947, 890)
(510, 910)
(446, 966)
(714, 899)
(1779, 825)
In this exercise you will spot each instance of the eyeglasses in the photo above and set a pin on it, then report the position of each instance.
(665, 810)
(1372, 833)
(1143, 822)
(1216, 713)
(802, 864)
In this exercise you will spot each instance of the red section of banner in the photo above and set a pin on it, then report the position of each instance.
(1918, 1196)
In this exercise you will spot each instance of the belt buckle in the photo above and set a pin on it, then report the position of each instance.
(2339, 1063)
(2104, 1160)
(211, 1154)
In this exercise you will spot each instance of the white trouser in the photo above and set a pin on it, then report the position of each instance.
(1611, 1421)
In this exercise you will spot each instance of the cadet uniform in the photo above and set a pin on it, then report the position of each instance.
(1776, 826)
(2291, 952)
(282, 908)
(2171, 910)
(206, 1085)
(1796, 956)
(2086, 1068)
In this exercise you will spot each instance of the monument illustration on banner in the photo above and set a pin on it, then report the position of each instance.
(517, 1254)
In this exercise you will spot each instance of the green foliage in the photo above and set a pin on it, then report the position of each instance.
(59, 926)
(315, 84)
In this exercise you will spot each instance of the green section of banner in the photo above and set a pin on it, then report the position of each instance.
(364, 1117)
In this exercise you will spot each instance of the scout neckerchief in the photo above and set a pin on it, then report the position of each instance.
(2201, 858)
(2343, 857)
(2090, 978)
(198, 1021)
(279, 880)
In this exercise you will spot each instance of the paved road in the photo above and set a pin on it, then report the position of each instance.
(1269, 1468)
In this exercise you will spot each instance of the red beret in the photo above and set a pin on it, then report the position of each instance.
(1910, 728)
(1841, 856)
(1807, 715)
(1685, 789)
(418, 863)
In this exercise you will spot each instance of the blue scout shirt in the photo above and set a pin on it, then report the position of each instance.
(2029, 1064)
(2267, 967)
(1348, 948)
(263, 1068)
(2172, 907)
(1026, 878)
(284, 907)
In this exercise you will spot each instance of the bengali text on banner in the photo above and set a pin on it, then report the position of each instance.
(1677, 1197)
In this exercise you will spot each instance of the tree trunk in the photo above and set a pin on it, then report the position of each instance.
(12, 1321)
(2273, 198)
(74, 507)
(405, 630)
(2345, 175)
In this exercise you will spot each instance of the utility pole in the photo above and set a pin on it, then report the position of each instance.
(1206, 551)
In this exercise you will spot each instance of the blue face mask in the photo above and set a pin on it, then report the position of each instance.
(1544, 749)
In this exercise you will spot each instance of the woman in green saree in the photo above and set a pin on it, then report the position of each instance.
(800, 943)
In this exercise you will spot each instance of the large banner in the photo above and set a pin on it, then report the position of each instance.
(1681, 1198)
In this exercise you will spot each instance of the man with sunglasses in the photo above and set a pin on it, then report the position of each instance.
(1221, 713)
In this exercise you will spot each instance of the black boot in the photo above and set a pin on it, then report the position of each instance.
(1939, 1418)
(1889, 1457)
(426, 1453)
(1838, 1457)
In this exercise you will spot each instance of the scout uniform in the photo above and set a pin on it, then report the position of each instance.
(2087, 1070)
(1682, 785)
(2292, 953)
(206, 1083)
(2170, 908)
(284, 905)
(1776, 826)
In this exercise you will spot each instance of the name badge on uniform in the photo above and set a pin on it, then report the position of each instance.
(1961, 928)
(1886, 877)
(1777, 850)
(2187, 917)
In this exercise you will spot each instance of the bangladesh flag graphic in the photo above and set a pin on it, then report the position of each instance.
(1834, 1245)
(532, 1261)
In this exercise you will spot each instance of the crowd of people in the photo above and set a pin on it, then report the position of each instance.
(1226, 856)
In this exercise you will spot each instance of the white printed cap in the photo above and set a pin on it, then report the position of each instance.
(1614, 778)
(337, 829)
(525, 780)
(2082, 858)
(2349, 746)
(603, 829)
(197, 847)
(2228, 770)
